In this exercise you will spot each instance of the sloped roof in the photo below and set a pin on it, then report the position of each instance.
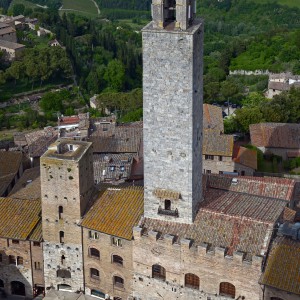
(116, 212)
(10, 162)
(235, 221)
(212, 117)
(275, 135)
(283, 266)
(11, 45)
(215, 143)
(246, 157)
(272, 187)
(28, 186)
(18, 218)
(119, 140)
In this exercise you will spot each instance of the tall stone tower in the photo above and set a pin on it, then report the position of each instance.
(173, 92)
(66, 185)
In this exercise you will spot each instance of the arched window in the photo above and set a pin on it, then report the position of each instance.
(158, 272)
(192, 281)
(227, 289)
(18, 288)
(118, 281)
(95, 253)
(61, 237)
(60, 212)
(63, 273)
(117, 259)
(94, 273)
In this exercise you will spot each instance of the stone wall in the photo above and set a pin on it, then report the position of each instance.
(16, 272)
(107, 269)
(66, 183)
(270, 292)
(172, 77)
(212, 267)
(37, 264)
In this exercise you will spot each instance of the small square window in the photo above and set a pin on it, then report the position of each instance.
(112, 168)
(93, 235)
(122, 168)
(208, 171)
(15, 242)
(37, 244)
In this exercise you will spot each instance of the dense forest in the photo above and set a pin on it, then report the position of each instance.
(239, 34)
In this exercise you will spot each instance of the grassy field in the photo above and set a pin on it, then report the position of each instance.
(86, 8)
(291, 3)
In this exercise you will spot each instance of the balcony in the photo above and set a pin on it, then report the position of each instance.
(168, 212)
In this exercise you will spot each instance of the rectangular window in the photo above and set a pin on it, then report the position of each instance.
(37, 265)
(16, 242)
(37, 244)
(19, 260)
(208, 171)
(220, 158)
(0, 257)
(12, 260)
(220, 172)
(116, 242)
(209, 157)
(93, 235)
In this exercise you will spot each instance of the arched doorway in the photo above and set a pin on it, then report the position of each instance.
(227, 289)
(18, 288)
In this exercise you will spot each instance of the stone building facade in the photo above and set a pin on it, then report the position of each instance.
(172, 93)
(20, 247)
(66, 187)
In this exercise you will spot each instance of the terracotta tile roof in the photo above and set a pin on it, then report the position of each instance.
(275, 135)
(37, 233)
(279, 188)
(215, 143)
(246, 205)
(40, 146)
(233, 220)
(28, 186)
(289, 215)
(246, 157)
(10, 162)
(283, 266)
(122, 139)
(116, 212)
(278, 86)
(18, 218)
(5, 181)
(106, 162)
(212, 118)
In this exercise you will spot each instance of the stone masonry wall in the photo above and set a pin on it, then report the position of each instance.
(68, 183)
(211, 267)
(226, 165)
(172, 68)
(37, 269)
(13, 272)
(107, 269)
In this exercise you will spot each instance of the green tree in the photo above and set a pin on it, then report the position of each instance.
(18, 9)
(247, 116)
(115, 75)
(16, 70)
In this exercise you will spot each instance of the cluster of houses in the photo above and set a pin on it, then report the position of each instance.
(8, 35)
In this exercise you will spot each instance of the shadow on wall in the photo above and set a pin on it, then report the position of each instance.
(15, 276)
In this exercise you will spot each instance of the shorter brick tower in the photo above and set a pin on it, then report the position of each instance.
(66, 185)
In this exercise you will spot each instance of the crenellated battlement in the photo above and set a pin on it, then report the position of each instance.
(191, 249)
